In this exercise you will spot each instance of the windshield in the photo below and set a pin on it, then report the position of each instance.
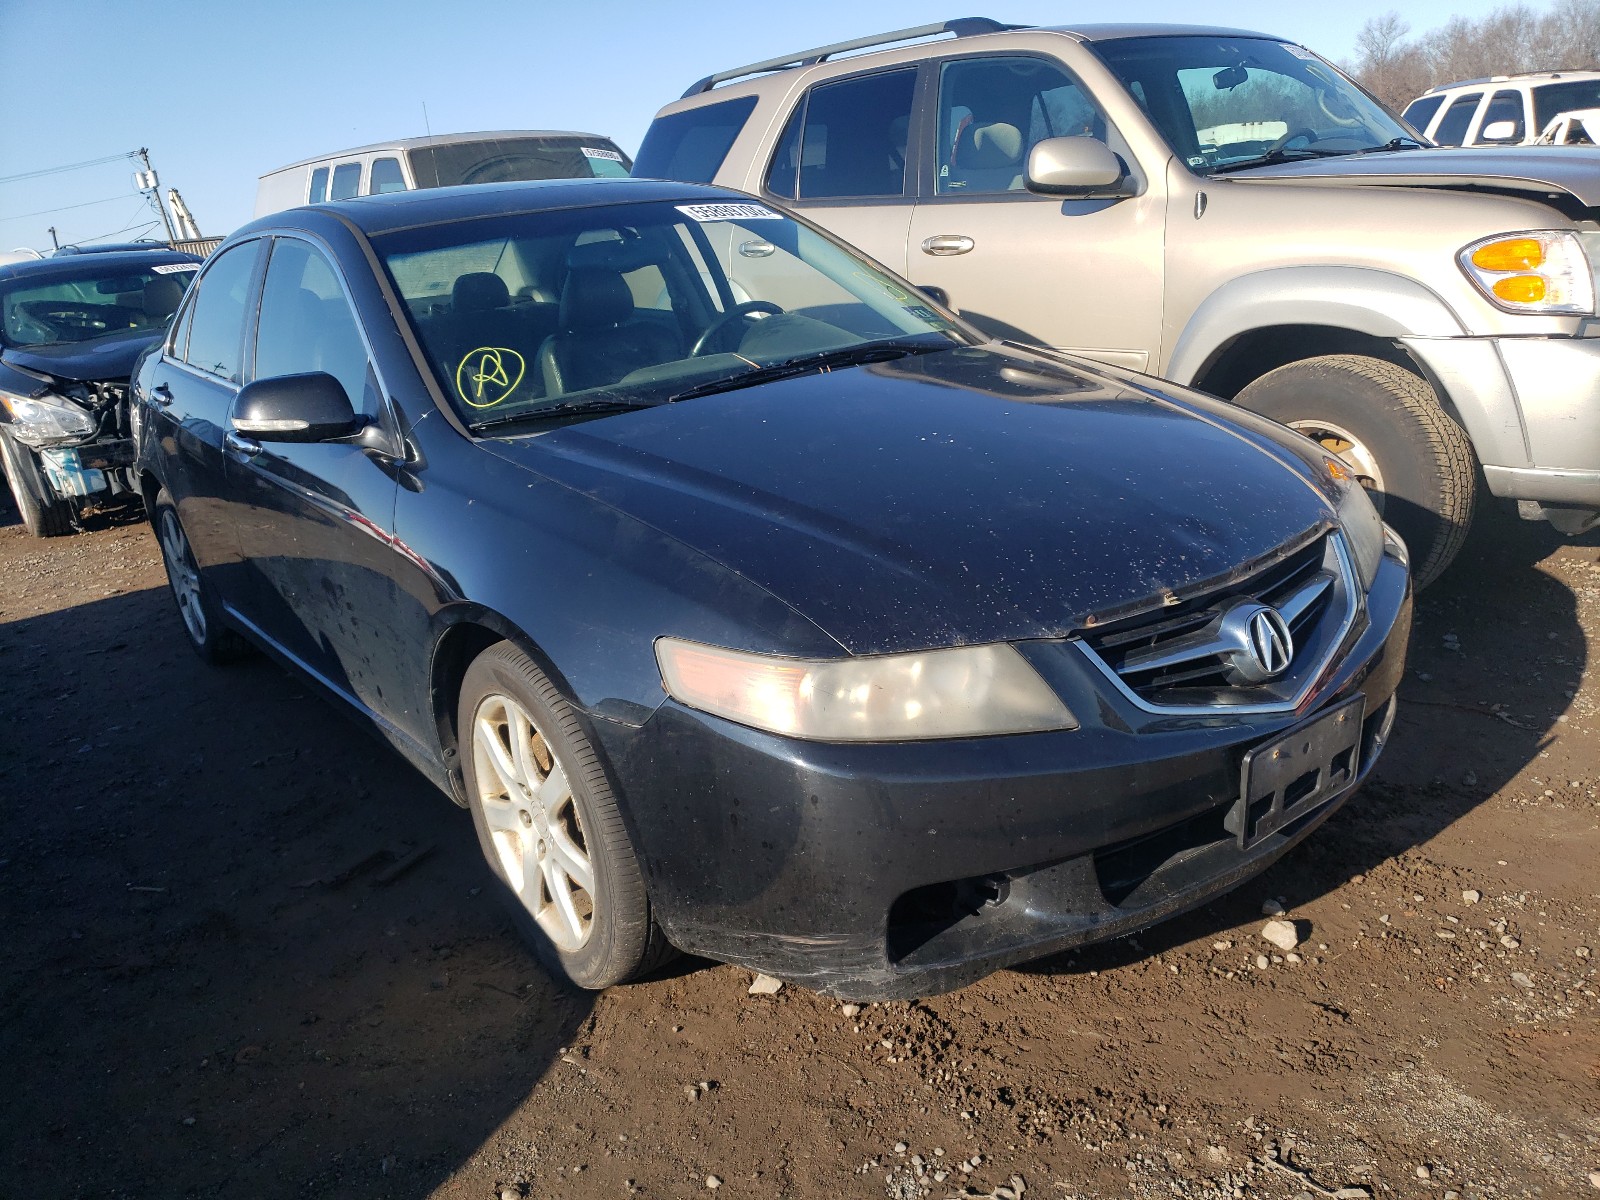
(91, 304)
(1230, 102)
(501, 160)
(636, 304)
(1550, 100)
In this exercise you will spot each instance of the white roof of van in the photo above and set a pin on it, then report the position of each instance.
(438, 139)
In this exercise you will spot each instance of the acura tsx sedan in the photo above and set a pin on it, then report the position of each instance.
(754, 604)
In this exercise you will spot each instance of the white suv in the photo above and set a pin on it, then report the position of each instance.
(1504, 110)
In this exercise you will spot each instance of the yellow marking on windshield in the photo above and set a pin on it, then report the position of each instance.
(488, 373)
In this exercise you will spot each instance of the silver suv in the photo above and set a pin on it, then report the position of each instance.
(1219, 207)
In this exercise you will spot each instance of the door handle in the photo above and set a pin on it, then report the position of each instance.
(242, 446)
(161, 395)
(947, 243)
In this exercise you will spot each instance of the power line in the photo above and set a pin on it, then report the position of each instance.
(77, 166)
(65, 207)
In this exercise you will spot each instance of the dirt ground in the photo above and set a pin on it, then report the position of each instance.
(249, 953)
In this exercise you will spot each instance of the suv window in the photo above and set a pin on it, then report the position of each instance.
(691, 146)
(319, 185)
(1419, 112)
(1453, 125)
(216, 323)
(1504, 105)
(346, 181)
(306, 323)
(847, 139)
(993, 110)
(385, 177)
(1552, 99)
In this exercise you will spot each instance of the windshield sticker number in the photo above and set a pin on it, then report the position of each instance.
(172, 268)
(729, 212)
(488, 375)
(608, 155)
(927, 314)
(1300, 52)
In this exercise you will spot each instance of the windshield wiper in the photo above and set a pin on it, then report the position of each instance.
(1282, 155)
(850, 356)
(1399, 143)
(595, 406)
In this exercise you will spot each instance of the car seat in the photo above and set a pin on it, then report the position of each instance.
(988, 158)
(599, 338)
(160, 299)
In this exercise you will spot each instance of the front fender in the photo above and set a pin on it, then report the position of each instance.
(1360, 299)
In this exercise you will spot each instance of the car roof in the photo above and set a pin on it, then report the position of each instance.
(1525, 77)
(390, 211)
(440, 139)
(1119, 30)
(87, 266)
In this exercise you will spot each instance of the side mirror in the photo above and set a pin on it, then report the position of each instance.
(1076, 166)
(938, 293)
(295, 408)
(1498, 131)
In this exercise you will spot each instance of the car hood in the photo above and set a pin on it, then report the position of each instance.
(1537, 170)
(107, 358)
(959, 497)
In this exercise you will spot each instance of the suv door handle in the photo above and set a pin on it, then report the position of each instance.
(947, 243)
(161, 395)
(242, 446)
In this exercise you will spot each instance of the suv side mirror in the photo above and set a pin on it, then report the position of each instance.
(295, 408)
(1083, 167)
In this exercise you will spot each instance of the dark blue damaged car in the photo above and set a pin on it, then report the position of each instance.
(753, 604)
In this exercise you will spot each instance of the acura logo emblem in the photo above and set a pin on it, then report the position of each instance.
(1261, 645)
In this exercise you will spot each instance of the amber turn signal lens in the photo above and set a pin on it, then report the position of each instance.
(1521, 289)
(1510, 254)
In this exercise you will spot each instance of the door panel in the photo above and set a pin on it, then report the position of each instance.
(1078, 275)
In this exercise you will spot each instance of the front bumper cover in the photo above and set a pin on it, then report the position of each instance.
(818, 863)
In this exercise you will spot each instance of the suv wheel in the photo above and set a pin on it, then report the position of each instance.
(44, 514)
(548, 824)
(1387, 425)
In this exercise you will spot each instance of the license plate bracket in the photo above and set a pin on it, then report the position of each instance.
(1298, 770)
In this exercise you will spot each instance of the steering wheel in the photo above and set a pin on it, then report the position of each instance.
(1350, 121)
(739, 312)
(1305, 131)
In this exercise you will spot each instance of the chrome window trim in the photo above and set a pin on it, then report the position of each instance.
(1353, 606)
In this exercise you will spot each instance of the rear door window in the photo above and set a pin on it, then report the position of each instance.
(385, 177)
(1505, 106)
(1419, 112)
(346, 181)
(690, 146)
(216, 323)
(1453, 125)
(319, 186)
(847, 140)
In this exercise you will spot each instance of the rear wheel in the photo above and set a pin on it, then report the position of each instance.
(202, 621)
(1387, 425)
(549, 827)
(44, 514)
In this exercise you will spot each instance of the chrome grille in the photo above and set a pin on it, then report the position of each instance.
(1195, 654)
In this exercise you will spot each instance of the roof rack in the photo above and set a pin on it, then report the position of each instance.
(960, 26)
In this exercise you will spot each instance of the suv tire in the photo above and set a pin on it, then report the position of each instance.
(43, 513)
(1387, 424)
(549, 825)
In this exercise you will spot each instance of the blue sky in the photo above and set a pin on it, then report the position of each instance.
(222, 92)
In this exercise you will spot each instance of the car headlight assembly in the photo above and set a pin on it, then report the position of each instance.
(1364, 531)
(1542, 271)
(967, 691)
(46, 419)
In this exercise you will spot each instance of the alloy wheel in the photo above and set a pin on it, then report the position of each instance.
(534, 822)
(183, 574)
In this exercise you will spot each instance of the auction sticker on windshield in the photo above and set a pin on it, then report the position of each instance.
(169, 268)
(728, 212)
(609, 155)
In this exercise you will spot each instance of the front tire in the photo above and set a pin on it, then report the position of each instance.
(1387, 425)
(549, 825)
(213, 641)
(44, 514)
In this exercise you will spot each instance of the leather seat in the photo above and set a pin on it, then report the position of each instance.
(481, 316)
(161, 298)
(600, 339)
(988, 158)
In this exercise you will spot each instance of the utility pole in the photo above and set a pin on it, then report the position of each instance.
(150, 185)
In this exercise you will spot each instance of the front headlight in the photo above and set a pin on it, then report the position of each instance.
(969, 691)
(1542, 271)
(1363, 527)
(46, 419)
